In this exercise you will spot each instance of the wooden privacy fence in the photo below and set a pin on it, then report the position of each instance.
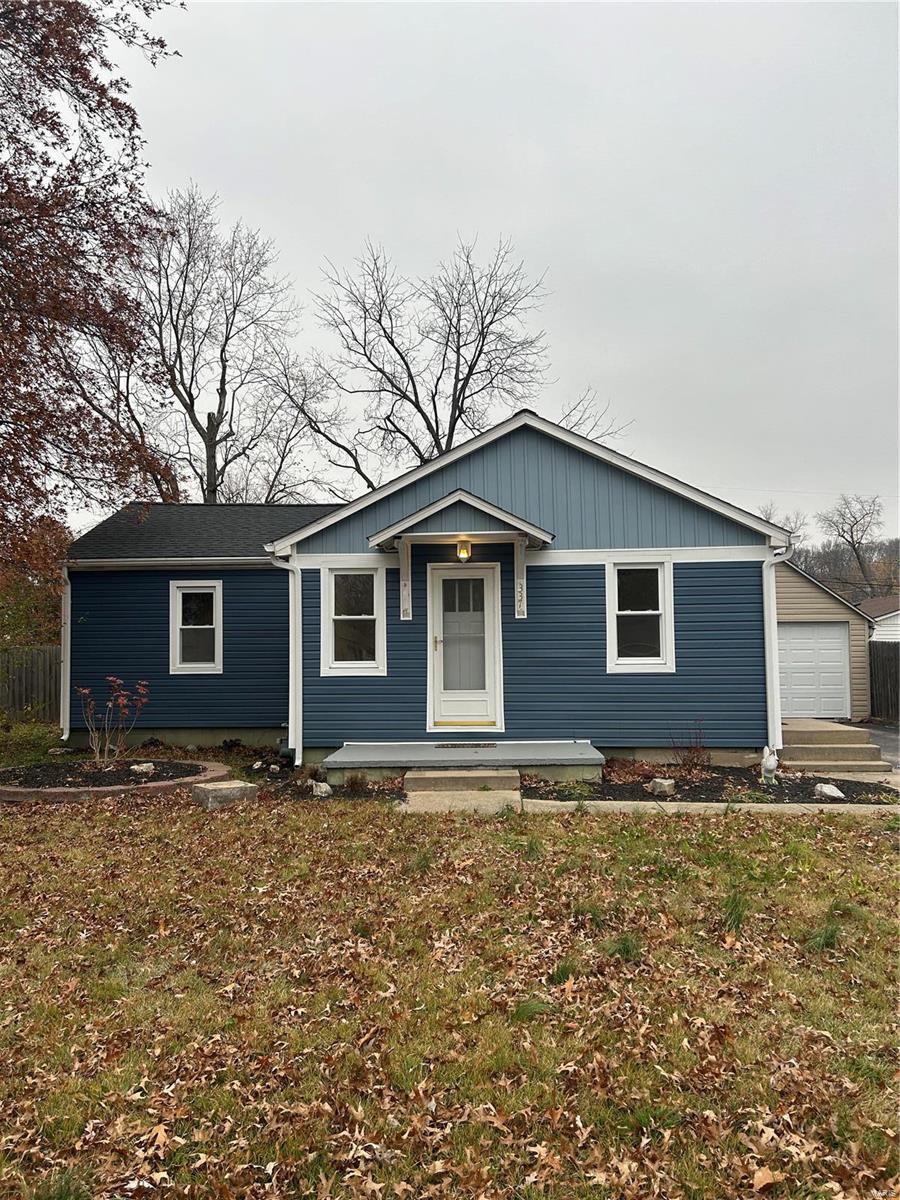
(29, 683)
(884, 672)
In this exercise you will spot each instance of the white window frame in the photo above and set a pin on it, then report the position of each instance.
(177, 587)
(327, 664)
(665, 663)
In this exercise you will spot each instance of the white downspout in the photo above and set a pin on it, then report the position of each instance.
(770, 629)
(65, 656)
(295, 654)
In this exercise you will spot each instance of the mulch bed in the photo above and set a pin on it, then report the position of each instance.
(625, 780)
(81, 774)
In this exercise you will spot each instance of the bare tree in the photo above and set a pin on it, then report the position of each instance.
(796, 522)
(856, 522)
(200, 387)
(421, 365)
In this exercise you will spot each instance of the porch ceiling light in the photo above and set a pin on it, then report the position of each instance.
(463, 551)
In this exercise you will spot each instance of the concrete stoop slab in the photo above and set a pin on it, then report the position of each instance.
(462, 801)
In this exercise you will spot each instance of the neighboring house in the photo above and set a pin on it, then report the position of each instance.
(885, 614)
(528, 585)
(823, 649)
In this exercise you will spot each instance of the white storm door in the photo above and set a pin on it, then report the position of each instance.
(465, 673)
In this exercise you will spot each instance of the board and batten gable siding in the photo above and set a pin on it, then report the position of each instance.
(554, 663)
(800, 599)
(120, 626)
(460, 517)
(586, 503)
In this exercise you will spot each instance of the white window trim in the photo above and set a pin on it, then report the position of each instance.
(176, 587)
(327, 665)
(665, 664)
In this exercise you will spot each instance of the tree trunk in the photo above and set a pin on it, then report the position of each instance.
(211, 488)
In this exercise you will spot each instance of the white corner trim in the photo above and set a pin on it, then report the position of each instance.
(459, 495)
(691, 554)
(770, 635)
(665, 664)
(295, 657)
(775, 533)
(327, 665)
(176, 587)
(65, 658)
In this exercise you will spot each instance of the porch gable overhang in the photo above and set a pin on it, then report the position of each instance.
(512, 525)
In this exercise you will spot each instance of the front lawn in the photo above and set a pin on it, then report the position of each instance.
(299, 999)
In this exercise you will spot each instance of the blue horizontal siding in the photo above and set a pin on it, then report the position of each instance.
(587, 503)
(554, 663)
(120, 626)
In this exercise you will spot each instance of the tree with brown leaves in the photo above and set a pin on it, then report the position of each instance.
(71, 212)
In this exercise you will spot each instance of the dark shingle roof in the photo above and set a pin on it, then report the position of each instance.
(880, 606)
(194, 530)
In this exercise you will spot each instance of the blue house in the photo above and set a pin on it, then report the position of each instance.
(528, 586)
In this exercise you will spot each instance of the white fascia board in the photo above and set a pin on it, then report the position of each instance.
(695, 554)
(459, 495)
(777, 535)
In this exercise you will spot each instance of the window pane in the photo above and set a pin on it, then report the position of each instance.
(449, 592)
(354, 595)
(197, 608)
(638, 588)
(477, 595)
(198, 645)
(639, 637)
(354, 641)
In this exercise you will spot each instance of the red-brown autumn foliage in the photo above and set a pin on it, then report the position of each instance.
(72, 211)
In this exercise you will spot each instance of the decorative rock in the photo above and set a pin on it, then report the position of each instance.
(661, 787)
(258, 766)
(827, 791)
(61, 750)
(211, 796)
(274, 769)
(191, 749)
(321, 790)
(143, 768)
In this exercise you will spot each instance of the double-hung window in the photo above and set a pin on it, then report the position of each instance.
(640, 618)
(353, 621)
(195, 626)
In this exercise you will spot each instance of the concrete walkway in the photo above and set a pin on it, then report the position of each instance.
(495, 802)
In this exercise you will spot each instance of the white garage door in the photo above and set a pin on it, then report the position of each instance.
(814, 661)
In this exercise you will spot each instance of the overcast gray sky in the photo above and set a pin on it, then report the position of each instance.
(711, 190)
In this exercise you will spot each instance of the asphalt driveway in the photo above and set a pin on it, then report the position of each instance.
(887, 737)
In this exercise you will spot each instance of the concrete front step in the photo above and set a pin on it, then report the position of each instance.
(837, 767)
(477, 780)
(828, 751)
(462, 801)
(807, 733)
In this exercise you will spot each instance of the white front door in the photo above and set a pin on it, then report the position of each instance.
(465, 667)
(814, 664)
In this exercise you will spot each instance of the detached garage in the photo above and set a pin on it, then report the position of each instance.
(823, 649)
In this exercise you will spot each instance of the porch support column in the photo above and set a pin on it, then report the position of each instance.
(405, 580)
(519, 565)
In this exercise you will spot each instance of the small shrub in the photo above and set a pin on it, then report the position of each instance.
(626, 946)
(564, 969)
(693, 754)
(109, 727)
(527, 1010)
(734, 910)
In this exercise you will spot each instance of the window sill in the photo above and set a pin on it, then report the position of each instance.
(353, 671)
(195, 670)
(640, 668)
